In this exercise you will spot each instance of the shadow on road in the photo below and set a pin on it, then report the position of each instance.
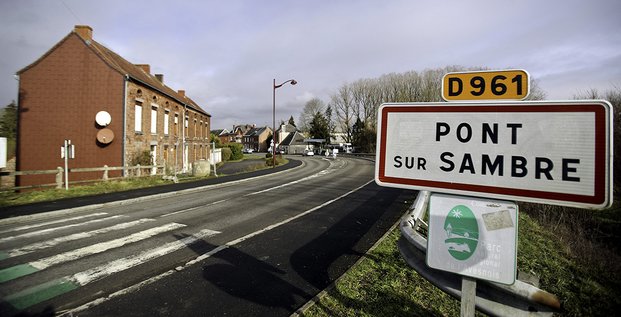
(355, 224)
(373, 211)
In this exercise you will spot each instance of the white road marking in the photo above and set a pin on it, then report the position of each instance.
(53, 222)
(91, 275)
(82, 235)
(103, 246)
(318, 174)
(46, 231)
(193, 208)
(202, 257)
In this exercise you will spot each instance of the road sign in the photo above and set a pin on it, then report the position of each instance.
(547, 152)
(473, 237)
(486, 85)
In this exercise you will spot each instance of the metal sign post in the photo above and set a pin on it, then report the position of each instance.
(67, 152)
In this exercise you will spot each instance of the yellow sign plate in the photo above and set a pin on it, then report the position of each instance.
(486, 85)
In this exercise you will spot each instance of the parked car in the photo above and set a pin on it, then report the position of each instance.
(248, 151)
(309, 153)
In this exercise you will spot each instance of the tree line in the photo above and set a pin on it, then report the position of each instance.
(352, 109)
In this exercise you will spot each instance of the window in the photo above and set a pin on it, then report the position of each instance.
(153, 120)
(166, 119)
(176, 129)
(138, 118)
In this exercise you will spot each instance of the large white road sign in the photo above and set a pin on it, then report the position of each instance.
(548, 152)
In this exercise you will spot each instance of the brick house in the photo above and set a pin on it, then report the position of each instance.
(220, 134)
(61, 93)
(256, 139)
(237, 134)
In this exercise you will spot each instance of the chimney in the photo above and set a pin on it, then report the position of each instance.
(181, 93)
(84, 31)
(145, 67)
(160, 77)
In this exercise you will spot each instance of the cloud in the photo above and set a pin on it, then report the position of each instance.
(225, 54)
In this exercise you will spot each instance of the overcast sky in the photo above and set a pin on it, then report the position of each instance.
(225, 54)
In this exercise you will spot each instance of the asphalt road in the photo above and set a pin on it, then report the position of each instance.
(260, 246)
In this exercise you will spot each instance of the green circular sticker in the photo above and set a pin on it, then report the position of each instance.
(462, 232)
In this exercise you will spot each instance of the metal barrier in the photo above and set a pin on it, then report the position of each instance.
(518, 299)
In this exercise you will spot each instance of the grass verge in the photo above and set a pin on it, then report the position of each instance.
(12, 199)
(588, 284)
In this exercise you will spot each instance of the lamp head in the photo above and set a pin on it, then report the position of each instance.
(293, 82)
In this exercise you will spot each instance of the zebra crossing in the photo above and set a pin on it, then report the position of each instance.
(28, 252)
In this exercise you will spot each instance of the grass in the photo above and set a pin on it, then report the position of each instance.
(12, 199)
(383, 285)
(587, 283)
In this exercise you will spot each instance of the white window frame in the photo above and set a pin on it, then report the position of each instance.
(166, 123)
(138, 118)
(153, 120)
(176, 123)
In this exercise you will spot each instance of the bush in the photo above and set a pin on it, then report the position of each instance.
(236, 151)
(270, 161)
(268, 155)
(226, 154)
(143, 158)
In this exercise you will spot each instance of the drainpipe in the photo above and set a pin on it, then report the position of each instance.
(183, 154)
(125, 80)
(17, 180)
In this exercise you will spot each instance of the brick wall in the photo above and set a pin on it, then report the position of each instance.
(169, 147)
(59, 97)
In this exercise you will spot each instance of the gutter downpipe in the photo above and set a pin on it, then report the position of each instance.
(17, 179)
(125, 80)
(183, 154)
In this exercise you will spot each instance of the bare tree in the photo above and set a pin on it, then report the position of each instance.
(342, 104)
(311, 108)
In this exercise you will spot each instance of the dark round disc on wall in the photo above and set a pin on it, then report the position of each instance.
(105, 136)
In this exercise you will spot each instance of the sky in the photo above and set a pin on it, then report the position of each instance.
(226, 54)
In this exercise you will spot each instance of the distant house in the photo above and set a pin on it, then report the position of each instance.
(237, 134)
(283, 131)
(256, 139)
(62, 93)
(294, 144)
(220, 133)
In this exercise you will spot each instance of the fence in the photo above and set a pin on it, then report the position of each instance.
(59, 171)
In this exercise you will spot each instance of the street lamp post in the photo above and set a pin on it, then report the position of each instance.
(293, 82)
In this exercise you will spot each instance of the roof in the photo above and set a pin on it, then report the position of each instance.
(126, 68)
(243, 128)
(287, 128)
(219, 131)
(256, 131)
(293, 139)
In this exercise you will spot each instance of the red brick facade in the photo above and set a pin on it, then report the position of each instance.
(60, 94)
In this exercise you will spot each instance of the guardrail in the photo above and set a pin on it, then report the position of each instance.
(370, 156)
(518, 299)
(59, 172)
